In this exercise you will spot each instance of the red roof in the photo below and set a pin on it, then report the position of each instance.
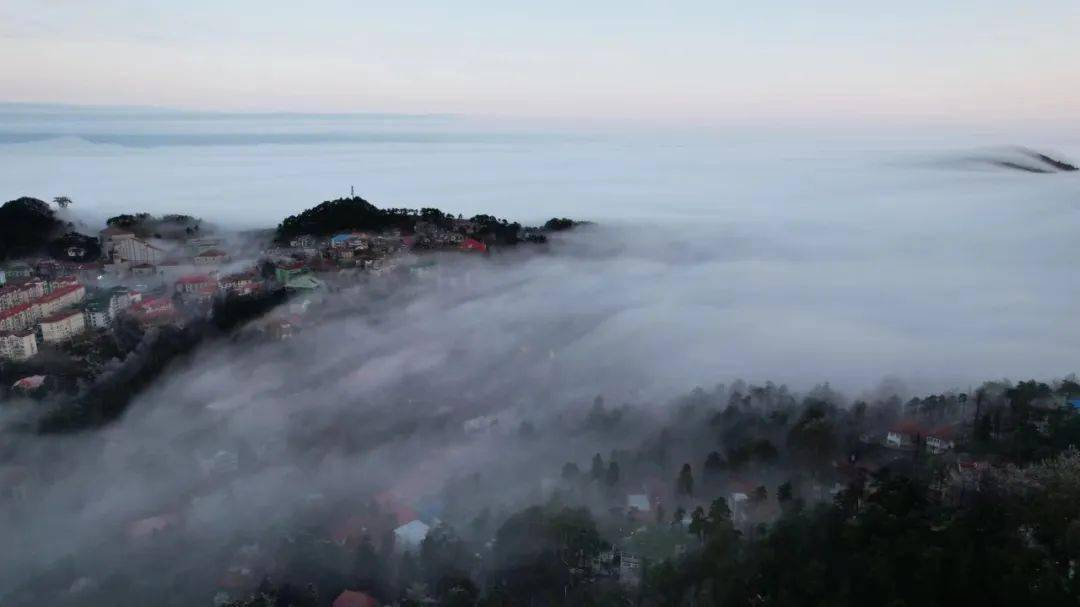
(472, 244)
(943, 432)
(14, 311)
(353, 598)
(61, 315)
(57, 294)
(212, 253)
(907, 426)
(391, 502)
(194, 279)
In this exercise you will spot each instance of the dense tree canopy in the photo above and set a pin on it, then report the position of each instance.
(26, 227)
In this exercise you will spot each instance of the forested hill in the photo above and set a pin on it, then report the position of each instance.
(26, 227)
(343, 214)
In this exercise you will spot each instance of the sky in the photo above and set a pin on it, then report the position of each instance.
(689, 61)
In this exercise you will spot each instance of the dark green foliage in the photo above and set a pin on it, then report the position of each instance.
(108, 398)
(684, 485)
(539, 550)
(558, 224)
(26, 227)
(339, 215)
(58, 249)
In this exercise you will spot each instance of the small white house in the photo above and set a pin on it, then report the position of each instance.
(639, 502)
(409, 536)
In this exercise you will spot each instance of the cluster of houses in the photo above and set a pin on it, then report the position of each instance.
(36, 308)
(909, 434)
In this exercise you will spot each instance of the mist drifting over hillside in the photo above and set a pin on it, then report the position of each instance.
(791, 260)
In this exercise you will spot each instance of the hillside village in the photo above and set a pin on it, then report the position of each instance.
(68, 303)
(690, 502)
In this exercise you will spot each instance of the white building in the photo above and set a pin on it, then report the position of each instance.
(122, 298)
(98, 313)
(639, 502)
(17, 318)
(62, 326)
(59, 299)
(409, 536)
(18, 346)
(121, 246)
(212, 257)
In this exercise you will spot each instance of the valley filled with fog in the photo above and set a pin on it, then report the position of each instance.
(881, 266)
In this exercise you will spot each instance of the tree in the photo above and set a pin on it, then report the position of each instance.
(699, 523)
(760, 494)
(680, 514)
(597, 470)
(612, 474)
(62, 201)
(570, 471)
(684, 485)
(714, 465)
(784, 492)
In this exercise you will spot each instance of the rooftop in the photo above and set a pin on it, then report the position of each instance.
(14, 311)
(57, 294)
(61, 316)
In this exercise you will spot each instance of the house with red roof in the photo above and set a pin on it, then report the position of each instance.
(904, 435)
(16, 318)
(62, 325)
(354, 598)
(195, 283)
(941, 439)
(211, 257)
(242, 284)
(472, 244)
(58, 299)
(153, 310)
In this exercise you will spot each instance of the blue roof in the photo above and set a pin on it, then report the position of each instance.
(1074, 403)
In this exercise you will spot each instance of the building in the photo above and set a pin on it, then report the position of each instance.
(903, 435)
(350, 240)
(304, 282)
(211, 257)
(17, 318)
(18, 345)
(59, 299)
(240, 284)
(195, 284)
(60, 282)
(122, 298)
(17, 270)
(154, 310)
(305, 241)
(287, 270)
(143, 269)
(16, 295)
(120, 246)
(62, 326)
(409, 536)
(940, 440)
(353, 598)
(638, 502)
(472, 244)
(98, 312)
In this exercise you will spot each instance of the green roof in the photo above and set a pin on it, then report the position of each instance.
(304, 282)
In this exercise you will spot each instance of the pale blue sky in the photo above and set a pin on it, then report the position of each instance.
(691, 61)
